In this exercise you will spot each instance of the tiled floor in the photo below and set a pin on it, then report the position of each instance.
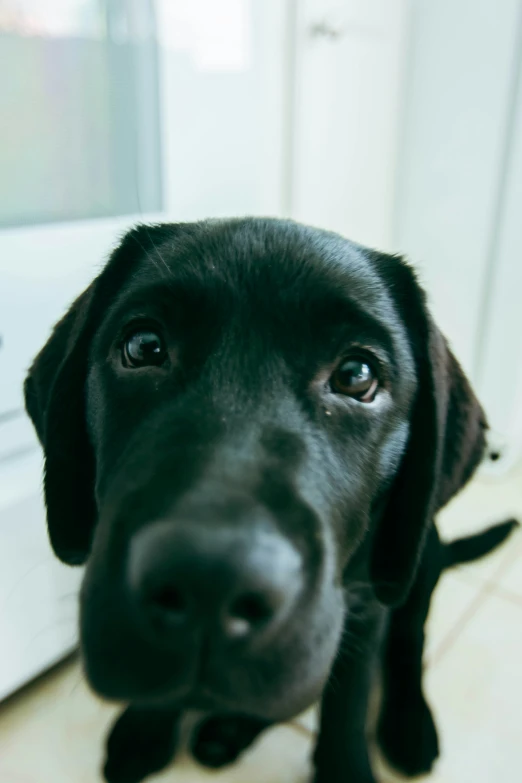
(53, 732)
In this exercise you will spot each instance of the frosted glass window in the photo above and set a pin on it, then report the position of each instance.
(79, 110)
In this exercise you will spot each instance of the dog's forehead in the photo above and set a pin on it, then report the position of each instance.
(276, 261)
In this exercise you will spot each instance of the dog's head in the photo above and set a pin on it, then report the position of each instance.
(240, 419)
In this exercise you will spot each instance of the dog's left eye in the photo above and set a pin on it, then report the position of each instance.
(355, 377)
(144, 348)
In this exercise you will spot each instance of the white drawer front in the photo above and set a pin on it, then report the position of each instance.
(37, 596)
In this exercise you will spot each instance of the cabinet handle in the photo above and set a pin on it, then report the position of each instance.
(327, 30)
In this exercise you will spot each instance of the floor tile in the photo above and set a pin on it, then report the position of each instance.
(476, 693)
(52, 732)
(451, 603)
(510, 580)
(484, 502)
(308, 720)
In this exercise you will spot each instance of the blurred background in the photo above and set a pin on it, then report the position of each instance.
(397, 123)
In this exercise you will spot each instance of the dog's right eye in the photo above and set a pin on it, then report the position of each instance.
(144, 348)
(355, 377)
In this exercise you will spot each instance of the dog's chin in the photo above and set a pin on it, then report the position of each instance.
(236, 692)
(275, 687)
(275, 705)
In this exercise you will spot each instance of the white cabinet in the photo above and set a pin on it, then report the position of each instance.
(37, 594)
(349, 65)
(41, 270)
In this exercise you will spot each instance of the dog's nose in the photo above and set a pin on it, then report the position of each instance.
(234, 583)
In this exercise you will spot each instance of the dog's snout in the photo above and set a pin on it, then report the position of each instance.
(227, 583)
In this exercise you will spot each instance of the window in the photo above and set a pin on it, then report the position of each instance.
(79, 135)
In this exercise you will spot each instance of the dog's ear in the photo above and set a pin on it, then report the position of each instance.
(446, 441)
(55, 401)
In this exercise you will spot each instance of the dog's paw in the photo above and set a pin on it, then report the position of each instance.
(141, 742)
(408, 738)
(219, 741)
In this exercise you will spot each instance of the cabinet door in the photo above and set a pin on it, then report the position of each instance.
(348, 90)
(37, 594)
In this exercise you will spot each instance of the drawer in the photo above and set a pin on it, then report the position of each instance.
(38, 596)
(17, 436)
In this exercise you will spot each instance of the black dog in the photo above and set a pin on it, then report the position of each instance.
(248, 426)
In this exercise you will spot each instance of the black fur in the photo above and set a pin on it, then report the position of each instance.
(466, 550)
(140, 743)
(237, 433)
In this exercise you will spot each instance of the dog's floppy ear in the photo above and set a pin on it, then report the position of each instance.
(55, 401)
(445, 445)
(54, 398)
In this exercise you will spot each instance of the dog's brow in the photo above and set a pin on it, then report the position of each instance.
(348, 313)
(342, 301)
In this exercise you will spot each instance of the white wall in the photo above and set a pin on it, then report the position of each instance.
(459, 79)
(458, 192)
(499, 366)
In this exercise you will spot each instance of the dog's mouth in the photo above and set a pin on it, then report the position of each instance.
(197, 696)
(275, 683)
(206, 699)
(270, 706)
(233, 693)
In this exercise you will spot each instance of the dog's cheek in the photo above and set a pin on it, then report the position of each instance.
(321, 634)
(364, 469)
(305, 657)
(114, 413)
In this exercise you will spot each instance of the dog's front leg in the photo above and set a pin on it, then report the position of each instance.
(341, 754)
(411, 743)
(140, 743)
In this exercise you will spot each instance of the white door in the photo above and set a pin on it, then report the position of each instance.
(349, 64)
